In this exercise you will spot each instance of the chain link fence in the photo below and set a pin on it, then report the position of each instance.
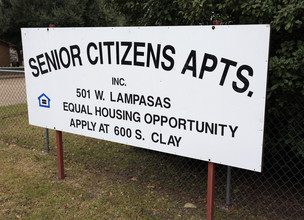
(276, 193)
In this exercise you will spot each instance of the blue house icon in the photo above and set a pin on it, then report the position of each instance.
(44, 101)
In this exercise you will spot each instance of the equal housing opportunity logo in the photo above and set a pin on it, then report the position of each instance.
(44, 101)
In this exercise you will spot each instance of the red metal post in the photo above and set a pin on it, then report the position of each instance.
(60, 155)
(59, 146)
(216, 22)
(210, 190)
(211, 177)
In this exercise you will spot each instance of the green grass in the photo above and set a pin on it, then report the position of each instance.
(104, 180)
(29, 189)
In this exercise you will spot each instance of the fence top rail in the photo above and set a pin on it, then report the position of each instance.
(10, 68)
(12, 71)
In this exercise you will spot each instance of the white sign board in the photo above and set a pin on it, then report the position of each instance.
(193, 91)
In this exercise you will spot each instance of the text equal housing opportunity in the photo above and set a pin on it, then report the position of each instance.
(186, 124)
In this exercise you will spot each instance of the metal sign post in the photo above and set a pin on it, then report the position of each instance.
(211, 178)
(210, 190)
(228, 187)
(59, 145)
(47, 140)
(60, 155)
